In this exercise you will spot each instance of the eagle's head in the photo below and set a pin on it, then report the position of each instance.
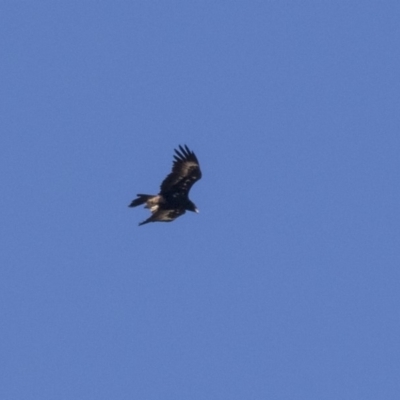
(190, 206)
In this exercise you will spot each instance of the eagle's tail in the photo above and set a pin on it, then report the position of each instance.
(141, 199)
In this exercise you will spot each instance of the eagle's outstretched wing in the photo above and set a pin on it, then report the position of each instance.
(164, 215)
(185, 172)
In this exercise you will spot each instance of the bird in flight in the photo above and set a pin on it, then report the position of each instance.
(173, 199)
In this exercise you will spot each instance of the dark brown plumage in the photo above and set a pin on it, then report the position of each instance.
(173, 199)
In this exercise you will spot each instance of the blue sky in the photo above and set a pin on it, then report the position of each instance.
(285, 286)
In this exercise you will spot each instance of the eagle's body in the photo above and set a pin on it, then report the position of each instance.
(173, 199)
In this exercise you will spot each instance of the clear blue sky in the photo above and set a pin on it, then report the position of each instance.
(285, 286)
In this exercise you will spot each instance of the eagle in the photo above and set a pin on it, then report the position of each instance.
(173, 199)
